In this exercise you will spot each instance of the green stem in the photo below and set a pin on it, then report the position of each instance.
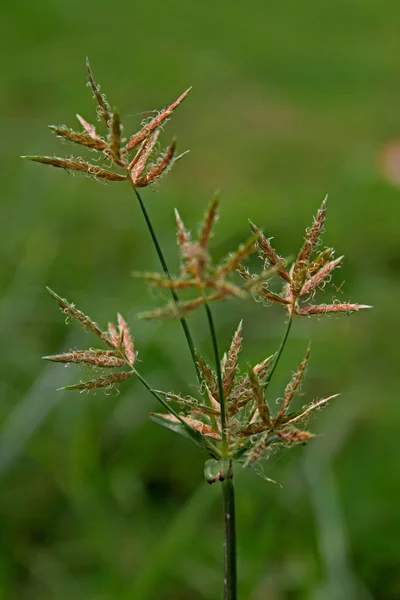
(219, 377)
(230, 570)
(280, 350)
(164, 265)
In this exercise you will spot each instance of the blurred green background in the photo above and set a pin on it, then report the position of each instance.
(291, 101)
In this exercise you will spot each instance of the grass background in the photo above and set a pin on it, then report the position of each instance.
(291, 101)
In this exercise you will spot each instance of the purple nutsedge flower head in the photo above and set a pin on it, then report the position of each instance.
(145, 167)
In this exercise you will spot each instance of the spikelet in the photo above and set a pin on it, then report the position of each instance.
(164, 163)
(136, 139)
(104, 382)
(127, 342)
(114, 139)
(104, 107)
(164, 282)
(79, 138)
(310, 408)
(86, 322)
(114, 336)
(183, 236)
(295, 436)
(230, 366)
(209, 219)
(292, 388)
(194, 424)
(97, 358)
(141, 157)
(207, 375)
(232, 262)
(77, 164)
(256, 450)
(253, 429)
(192, 403)
(322, 258)
(262, 406)
(320, 276)
(269, 254)
(310, 240)
(322, 309)
(91, 130)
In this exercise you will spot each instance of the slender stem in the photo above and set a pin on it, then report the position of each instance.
(164, 265)
(159, 398)
(230, 570)
(219, 377)
(280, 350)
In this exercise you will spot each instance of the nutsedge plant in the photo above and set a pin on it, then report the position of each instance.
(232, 417)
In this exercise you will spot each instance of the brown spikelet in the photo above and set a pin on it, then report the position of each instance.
(322, 258)
(270, 254)
(162, 165)
(294, 435)
(262, 406)
(225, 288)
(186, 307)
(202, 409)
(262, 368)
(71, 311)
(77, 164)
(320, 276)
(236, 258)
(242, 392)
(164, 282)
(90, 129)
(79, 138)
(310, 408)
(182, 235)
(97, 358)
(181, 309)
(257, 284)
(207, 375)
(192, 403)
(318, 224)
(209, 219)
(310, 240)
(322, 309)
(141, 157)
(127, 342)
(195, 424)
(114, 337)
(230, 366)
(253, 429)
(214, 400)
(154, 124)
(104, 382)
(292, 388)
(257, 449)
(104, 108)
(114, 138)
(166, 312)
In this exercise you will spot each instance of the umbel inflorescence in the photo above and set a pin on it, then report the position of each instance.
(232, 417)
(134, 159)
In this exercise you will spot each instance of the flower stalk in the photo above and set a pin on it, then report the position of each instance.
(230, 559)
(231, 418)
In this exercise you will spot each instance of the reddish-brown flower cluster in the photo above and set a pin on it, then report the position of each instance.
(123, 351)
(251, 427)
(140, 169)
(310, 271)
(198, 272)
